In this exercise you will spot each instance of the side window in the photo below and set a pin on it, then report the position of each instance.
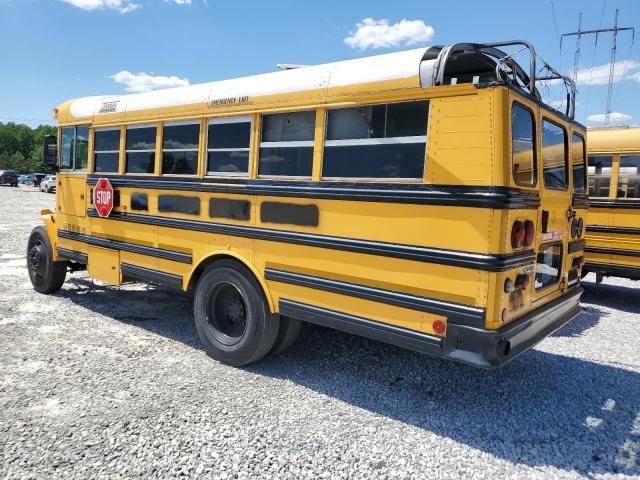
(378, 141)
(599, 170)
(81, 149)
(106, 150)
(228, 141)
(523, 150)
(140, 149)
(578, 163)
(554, 155)
(66, 150)
(286, 147)
(629, 177)
(180, 148)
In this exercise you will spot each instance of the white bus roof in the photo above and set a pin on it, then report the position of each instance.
(405, 65)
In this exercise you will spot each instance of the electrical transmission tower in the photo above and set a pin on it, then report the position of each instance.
(612, 67)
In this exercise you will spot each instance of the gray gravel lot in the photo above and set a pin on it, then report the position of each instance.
(100, 382)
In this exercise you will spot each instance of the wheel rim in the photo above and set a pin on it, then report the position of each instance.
(227, 313)
(37, 260)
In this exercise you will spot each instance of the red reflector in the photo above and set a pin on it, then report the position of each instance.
(439, 327)
(529, 233)
(517, 234)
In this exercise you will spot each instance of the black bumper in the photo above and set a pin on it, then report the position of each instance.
(493, 348)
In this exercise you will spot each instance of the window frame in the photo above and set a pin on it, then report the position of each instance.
(612, 184)
(154, 150)
(543, 119)
(585, 164)
(534, 142)
(620, 175)
(220, 121)
(73, 149)
(377, 141)
(293, 144)
(175, 123)
(106, 129)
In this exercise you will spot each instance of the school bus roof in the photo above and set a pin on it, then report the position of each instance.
(613, 140)
(389, 71)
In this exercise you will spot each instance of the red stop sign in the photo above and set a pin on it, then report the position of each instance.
(103, 197)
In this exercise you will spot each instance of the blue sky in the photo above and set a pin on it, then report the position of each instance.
(52, 50)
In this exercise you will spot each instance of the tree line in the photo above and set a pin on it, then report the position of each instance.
(21, 147)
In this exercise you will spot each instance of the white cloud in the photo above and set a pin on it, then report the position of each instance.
(624, 70)
(372, 33)
(180, 2)
(614, 117)
(122, 6)
(144, 82)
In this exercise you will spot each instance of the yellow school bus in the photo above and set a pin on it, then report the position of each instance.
(425, 198)
(613, 223)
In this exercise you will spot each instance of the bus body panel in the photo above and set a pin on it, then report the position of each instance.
(613, 235)
(391, 259)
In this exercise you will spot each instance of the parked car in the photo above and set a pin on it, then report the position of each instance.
(8, 177)
(35, 179)
(48, 184)
(23, 178)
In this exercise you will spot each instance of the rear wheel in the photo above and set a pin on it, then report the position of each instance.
(287, 335)
(46, 275)
(231, 315)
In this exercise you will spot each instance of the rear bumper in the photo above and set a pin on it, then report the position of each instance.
(493, 348)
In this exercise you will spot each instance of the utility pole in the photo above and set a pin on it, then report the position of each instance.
(614, 31)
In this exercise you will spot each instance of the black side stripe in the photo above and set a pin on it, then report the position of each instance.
(624, 271)
(401, 337)
(576, 246)
(613, 251)
(456, 312)
(478, 261)
(152, 276)
(127, 247)
(72, 255)
(624, 204)
(607, 229)
(494, 197)
(580, 200)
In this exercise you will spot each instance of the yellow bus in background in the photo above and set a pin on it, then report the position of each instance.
(613, 222)
(426, 198)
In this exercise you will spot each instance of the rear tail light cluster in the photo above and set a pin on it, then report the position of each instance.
(522, 234)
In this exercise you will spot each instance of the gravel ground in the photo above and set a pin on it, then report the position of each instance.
(100, 382)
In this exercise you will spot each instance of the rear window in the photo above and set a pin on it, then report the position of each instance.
(578, 163)
(554, 155)
(599, 170)
(523, 153)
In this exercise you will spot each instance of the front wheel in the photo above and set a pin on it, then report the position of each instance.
(231, 315)
(46, 275)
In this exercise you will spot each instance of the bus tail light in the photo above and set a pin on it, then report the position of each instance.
(439, 327)
(517, 234)
(522, 281)
(529, 233)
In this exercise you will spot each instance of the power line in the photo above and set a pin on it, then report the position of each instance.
(593, 58)
(612, 66)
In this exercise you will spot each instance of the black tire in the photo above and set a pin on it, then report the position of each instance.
(46, 275)
(232, 316)
(287, 335)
